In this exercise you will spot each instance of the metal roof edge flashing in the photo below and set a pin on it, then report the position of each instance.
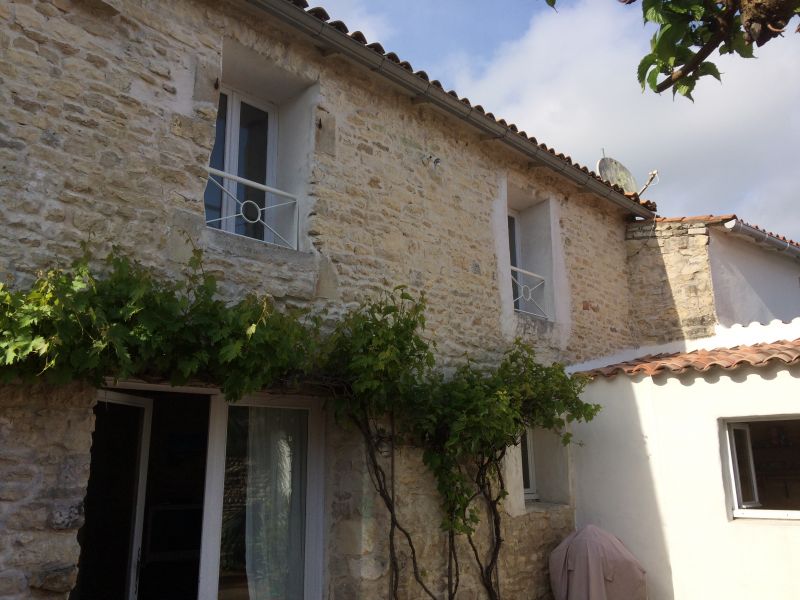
(737, 226)
(316, 28)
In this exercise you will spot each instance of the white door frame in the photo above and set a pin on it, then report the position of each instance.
(215, 483)
(135, 552)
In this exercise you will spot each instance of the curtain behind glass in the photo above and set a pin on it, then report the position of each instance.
(213, 194)
(263, 533)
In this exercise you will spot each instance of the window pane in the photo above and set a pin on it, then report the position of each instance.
(512, 240)
(213, 193)
(776, 460)
(745, 469)
(526, 468)
(512, 253)
(264, 506)
(253, 129)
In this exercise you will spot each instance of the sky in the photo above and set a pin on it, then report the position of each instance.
(568, 77)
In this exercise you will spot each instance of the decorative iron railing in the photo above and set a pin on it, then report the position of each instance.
(528, 290)
(253, 209)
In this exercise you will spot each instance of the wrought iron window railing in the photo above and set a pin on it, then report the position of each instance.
(528, 290)
(252, 209)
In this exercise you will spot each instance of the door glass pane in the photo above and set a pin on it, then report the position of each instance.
(106, 535)
(213, 193)
(745, 468)
(253, 128)
(264, 504)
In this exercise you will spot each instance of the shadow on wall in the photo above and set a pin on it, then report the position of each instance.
(615, 487)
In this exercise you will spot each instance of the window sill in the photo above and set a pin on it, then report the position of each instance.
(241, 245)
(539, 506)
(757, 513)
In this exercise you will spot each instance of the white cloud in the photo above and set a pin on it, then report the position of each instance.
(570, 81)
(360, 15)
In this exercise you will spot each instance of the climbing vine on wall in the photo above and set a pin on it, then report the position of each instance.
(123, 321)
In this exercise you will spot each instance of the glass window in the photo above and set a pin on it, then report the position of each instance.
(245, 147)
(765, 461)
(528, 466)
(252, 152)
(262, 554)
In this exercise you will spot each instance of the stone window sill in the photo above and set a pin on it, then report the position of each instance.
(540, 506)
(239, 245)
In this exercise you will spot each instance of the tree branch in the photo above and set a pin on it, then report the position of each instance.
(724, 21)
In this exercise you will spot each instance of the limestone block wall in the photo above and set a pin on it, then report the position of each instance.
(108, 121)
(670, 272)
(107, 111)
(45, 436)
(358, 557)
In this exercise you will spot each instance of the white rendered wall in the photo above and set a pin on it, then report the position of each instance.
(653, 472)
(751, 283)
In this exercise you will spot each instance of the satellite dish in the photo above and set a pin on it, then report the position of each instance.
(616, 173)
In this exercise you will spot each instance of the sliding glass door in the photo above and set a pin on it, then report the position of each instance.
(261, 532)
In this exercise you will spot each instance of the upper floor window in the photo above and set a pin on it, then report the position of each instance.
(238, 198)
(260, 163)
(530, 255)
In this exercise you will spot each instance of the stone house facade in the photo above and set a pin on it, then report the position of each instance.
(370, 176)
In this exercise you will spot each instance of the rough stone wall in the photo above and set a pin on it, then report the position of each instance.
(671, 276)
(45, 436)
(358, 547)
(95, 146)
(108, 111)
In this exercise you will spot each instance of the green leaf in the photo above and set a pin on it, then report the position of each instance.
(709, 68)
(644, 66)
(652, 80)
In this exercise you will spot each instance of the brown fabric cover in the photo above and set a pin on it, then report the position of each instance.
(592, 564)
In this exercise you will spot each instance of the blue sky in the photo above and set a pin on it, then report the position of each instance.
(568, 77)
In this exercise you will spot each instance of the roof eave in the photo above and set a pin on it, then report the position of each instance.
(737, 226)
(421, 89)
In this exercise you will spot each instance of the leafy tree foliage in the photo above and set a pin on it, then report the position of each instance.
(690, 31)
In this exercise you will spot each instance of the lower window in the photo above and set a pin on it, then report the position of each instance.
(765, 467)
(190, 497)
(528, 465)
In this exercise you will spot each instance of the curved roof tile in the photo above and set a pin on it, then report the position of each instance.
(757, 355)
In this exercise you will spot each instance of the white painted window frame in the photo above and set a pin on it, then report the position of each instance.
(215, 483)
(520, 270)
(531, 493)
(231, 154)
(750, 510)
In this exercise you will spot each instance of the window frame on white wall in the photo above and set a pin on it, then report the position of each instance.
(742, 507)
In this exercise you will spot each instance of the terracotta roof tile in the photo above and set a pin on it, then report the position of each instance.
(321, 14)
(757, 355)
